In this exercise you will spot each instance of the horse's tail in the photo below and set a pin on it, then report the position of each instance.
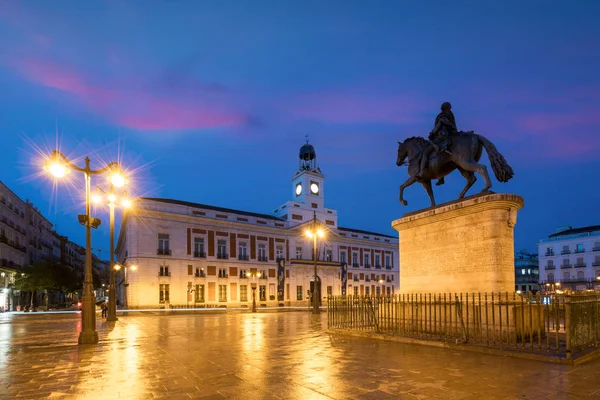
(501, 169)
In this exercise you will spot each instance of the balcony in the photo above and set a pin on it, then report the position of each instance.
(223, 275)
(243, 276)
(565, 252)
(199, 254)
(354, 265)
(549, 253)
(263, 258)
(367, 265)
(596, 264)
(200, 274)
(164, 273)
(222, 256)
(367, 279)
(163, 252)
(579, 250)
(388, 280)
(243, 257)
(580, 265)
(355, 279)
(377, 266)
(549, 267)
(263, 276)
(564, 266)
(596, 248)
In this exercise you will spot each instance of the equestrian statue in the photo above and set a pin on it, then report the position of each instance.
(446, 150)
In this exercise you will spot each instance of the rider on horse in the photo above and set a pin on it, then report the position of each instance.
(445, 125)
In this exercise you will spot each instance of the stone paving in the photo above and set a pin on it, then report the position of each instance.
(257, 356)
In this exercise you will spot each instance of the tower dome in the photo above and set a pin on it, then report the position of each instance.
(308, 156)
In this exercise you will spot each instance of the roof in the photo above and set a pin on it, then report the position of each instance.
(214, 208)
(575, 231)
(365, 232)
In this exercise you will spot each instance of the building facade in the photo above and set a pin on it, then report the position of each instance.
(527, 272)
(571, 257)
(190, 254)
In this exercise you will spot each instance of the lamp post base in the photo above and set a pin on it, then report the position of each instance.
(88, 337)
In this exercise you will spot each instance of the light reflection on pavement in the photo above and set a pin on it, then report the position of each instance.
(276, 355)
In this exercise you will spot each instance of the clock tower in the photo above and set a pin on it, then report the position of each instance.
(308, 191)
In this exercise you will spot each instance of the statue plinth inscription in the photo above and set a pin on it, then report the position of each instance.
(463, 246)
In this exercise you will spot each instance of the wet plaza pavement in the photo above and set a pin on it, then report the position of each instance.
(285, 355)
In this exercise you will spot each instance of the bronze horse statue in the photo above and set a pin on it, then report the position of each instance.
(463, 154)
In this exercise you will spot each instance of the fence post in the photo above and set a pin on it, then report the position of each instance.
(568, 326)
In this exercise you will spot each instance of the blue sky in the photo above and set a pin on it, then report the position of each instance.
(210, 101)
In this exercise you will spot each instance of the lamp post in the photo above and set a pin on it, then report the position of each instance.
(112, 198)
(253, 285)
(313, 233)
(117, 267)
(58, 165)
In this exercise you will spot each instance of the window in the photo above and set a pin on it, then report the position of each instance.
(223, 273)
(580, 276)
(565, 250)
(328, 255)
(356, 290)
(190, 270)
(200, 273)
(243, 251)
(243, 292)
(377, 261)
(579, 248)
(550, 264)
(378, 291)
(367, 291)
(523, 272)
(355, 259)
(343, 257)
(262, 292)
(243, 273)
(199, 294)
(262, 252)
(199, 247)
(222, 293)
(163, 293)
(566, 262)
(579, 262)
(388, 290)
(366, 261)
(164, 270)
(550, 277)
(596, 261)
(222, 249)
(329, 290)
(163, 244)
(596, 246)
(299, 253)
(298, 292)
(279, 252)
(388, 261)
(566, 276)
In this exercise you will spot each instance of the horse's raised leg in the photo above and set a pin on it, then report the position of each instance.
(471, 166)
(470, 177)
(408, 182)
(427, 185)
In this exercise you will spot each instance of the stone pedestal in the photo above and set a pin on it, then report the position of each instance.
(462, 246)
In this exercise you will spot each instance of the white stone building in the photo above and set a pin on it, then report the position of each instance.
(190, 254)
(571, 256)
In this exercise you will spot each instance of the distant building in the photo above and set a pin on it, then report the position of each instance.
(190, 254)
(571, 256)
(527, 273)
(27, 237)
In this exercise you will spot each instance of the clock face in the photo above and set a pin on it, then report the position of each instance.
(298, 189)
(314, 188)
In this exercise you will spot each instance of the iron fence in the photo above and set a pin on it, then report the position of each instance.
(558, 324)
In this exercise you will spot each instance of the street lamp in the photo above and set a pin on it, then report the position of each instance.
(59, 166)
(253, 285)
(313, 233)
(116, 180)
(117, 268)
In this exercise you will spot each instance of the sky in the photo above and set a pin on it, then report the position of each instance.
(210, 101)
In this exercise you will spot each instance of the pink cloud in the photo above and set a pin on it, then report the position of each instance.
(552, 121)
(133, 106)
(340, 107)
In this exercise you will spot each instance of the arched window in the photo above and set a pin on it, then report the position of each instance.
(566, 276)
(550, 277)
(580, 275)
